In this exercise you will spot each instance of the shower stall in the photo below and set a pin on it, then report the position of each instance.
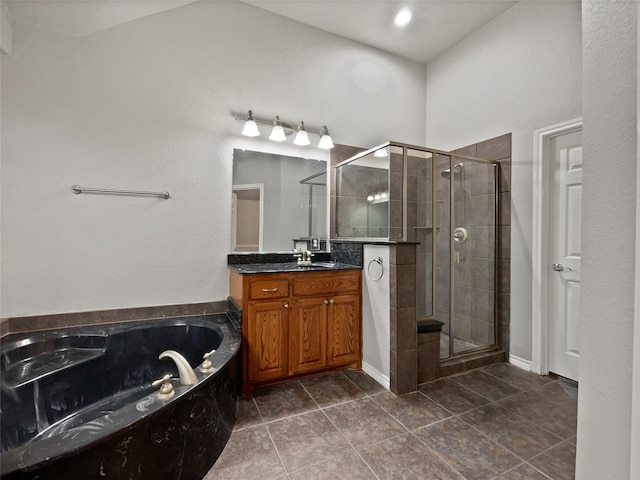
(447, 205)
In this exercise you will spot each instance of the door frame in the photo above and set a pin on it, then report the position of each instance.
(250, 186)
(540, 258)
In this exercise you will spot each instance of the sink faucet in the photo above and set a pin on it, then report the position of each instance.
(304, 257)
(187, 375)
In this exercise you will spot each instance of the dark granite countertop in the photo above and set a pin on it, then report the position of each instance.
(253, 268)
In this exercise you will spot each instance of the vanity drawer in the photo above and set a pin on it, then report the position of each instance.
(269, 288)
(326, 283)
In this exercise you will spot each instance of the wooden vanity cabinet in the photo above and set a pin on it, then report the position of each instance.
(296, 324)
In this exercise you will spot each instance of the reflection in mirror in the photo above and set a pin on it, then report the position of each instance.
(279, 203)
(363, 196)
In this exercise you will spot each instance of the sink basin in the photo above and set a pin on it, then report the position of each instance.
(315, 266)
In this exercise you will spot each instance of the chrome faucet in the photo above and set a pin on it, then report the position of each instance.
(304, 257)
(187, 375)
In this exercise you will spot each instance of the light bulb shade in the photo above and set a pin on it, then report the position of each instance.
(302, 138)
(250, 128)
(277, 134)
(325, 138)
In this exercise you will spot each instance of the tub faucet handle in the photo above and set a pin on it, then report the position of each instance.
(166, 390)
(207, 366)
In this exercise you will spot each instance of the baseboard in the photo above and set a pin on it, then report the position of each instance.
(520, 363)
(376, 375)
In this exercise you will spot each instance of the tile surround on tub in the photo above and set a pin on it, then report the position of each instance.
(4, 326)
(76, 319)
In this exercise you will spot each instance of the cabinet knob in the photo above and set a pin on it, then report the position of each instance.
(275, 289)
(286, 305)
(331, 301)
(326, 302)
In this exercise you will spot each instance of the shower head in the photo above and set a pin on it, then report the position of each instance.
(457, 168)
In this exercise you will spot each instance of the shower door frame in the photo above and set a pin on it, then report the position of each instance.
(452, 286)
(434, 153)
(496, 192)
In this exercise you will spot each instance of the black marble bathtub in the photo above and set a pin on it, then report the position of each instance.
(78, 403)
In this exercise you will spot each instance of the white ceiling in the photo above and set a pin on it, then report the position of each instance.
(436, 25)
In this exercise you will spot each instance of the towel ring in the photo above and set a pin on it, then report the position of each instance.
(378, 269)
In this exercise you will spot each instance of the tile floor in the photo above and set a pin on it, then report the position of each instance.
(497, 422)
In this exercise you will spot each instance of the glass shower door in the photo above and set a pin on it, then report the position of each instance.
(473, 254)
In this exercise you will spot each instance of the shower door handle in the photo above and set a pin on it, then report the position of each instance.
(559, 268)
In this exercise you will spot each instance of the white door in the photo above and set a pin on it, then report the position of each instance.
(564, 249)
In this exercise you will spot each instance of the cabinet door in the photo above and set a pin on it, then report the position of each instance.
(344, 330)
(308, 334)
(268, 339)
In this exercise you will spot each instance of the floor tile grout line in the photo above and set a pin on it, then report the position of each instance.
(459, 415)
(342, 434)
(425, 425)
(275, 447)
(506, 448)
(497, 403)
(469, 388)
(526, 460)
(519, 457)
(411, 432)
(352, 446)
(561, 439)
(438, 456)
(484, 396)
(518, 466)
(542, 453)
(354, 383)
(340, 431)
(548, 449)
(439, 404)
(484, 369)
(534, 421)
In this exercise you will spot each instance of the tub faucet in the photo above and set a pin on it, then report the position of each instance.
(187, 375)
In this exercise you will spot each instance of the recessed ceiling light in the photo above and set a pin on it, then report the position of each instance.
(403, 17)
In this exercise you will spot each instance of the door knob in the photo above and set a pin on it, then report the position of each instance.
(559, 268)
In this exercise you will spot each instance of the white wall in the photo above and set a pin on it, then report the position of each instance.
(609, 239)
(376, 329)
(147, 105)
(518, 73)
(635, 395)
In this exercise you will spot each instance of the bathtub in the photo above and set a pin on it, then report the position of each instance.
(78, 402)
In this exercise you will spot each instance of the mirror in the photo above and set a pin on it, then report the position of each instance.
(279, 203)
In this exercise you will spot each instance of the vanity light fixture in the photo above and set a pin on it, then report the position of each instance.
(277, 134)
(250, 128)
(302, 138)
(325, 138)
(280, 130)
(403, 17)
(378, 197)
